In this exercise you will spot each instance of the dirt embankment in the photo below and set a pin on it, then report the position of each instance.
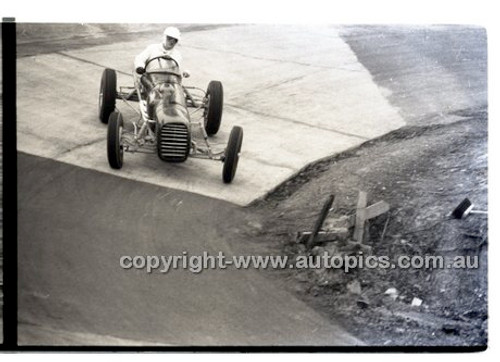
(423, 173)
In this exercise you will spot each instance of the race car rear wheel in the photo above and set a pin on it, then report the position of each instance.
(232, 154)
(115, 148)
(107, 94)
(213, 110)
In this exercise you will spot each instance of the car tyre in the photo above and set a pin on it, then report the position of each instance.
(107, 94)
(232, 154)
(213, 111)
(115, 148)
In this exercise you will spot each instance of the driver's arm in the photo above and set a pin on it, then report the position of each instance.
(141, 59)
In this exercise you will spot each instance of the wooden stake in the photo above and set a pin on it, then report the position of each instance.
(359, 227)
(319, 222)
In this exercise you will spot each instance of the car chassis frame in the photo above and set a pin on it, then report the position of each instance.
(143, 138)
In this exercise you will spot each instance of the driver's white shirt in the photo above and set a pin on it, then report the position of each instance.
(156, 50)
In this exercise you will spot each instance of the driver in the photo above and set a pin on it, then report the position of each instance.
(171, 36)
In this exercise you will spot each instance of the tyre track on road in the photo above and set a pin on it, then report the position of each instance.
(91, 62)
(294, 121)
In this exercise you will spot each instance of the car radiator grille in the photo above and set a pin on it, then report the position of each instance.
(173, 142)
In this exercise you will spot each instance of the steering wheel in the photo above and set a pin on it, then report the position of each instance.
(166, 57)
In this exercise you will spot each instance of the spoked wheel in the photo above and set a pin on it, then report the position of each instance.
(107, 94)
(213, 112)
(232, 154)
(115, 148)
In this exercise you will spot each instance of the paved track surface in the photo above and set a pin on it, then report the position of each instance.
(77, 223)
(431, 74)
(298, 92)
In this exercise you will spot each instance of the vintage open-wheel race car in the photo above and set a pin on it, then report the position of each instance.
(168, 114)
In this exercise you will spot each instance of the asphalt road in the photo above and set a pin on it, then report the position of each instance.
(286, 100)
(426, 72)
(75, 223)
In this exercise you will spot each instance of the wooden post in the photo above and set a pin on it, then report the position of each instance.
(319, 222)
(359, 227)
(376, 209)
(359, 221)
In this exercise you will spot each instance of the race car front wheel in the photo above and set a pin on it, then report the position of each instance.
(232, 154)
(107, 94)
(213, 110)
(115, 148)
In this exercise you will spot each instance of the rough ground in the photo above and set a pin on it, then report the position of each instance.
(423, 173)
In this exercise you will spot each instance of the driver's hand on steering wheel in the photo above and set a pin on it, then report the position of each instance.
(140, 70)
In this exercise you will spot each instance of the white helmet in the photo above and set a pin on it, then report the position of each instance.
(172, 32)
